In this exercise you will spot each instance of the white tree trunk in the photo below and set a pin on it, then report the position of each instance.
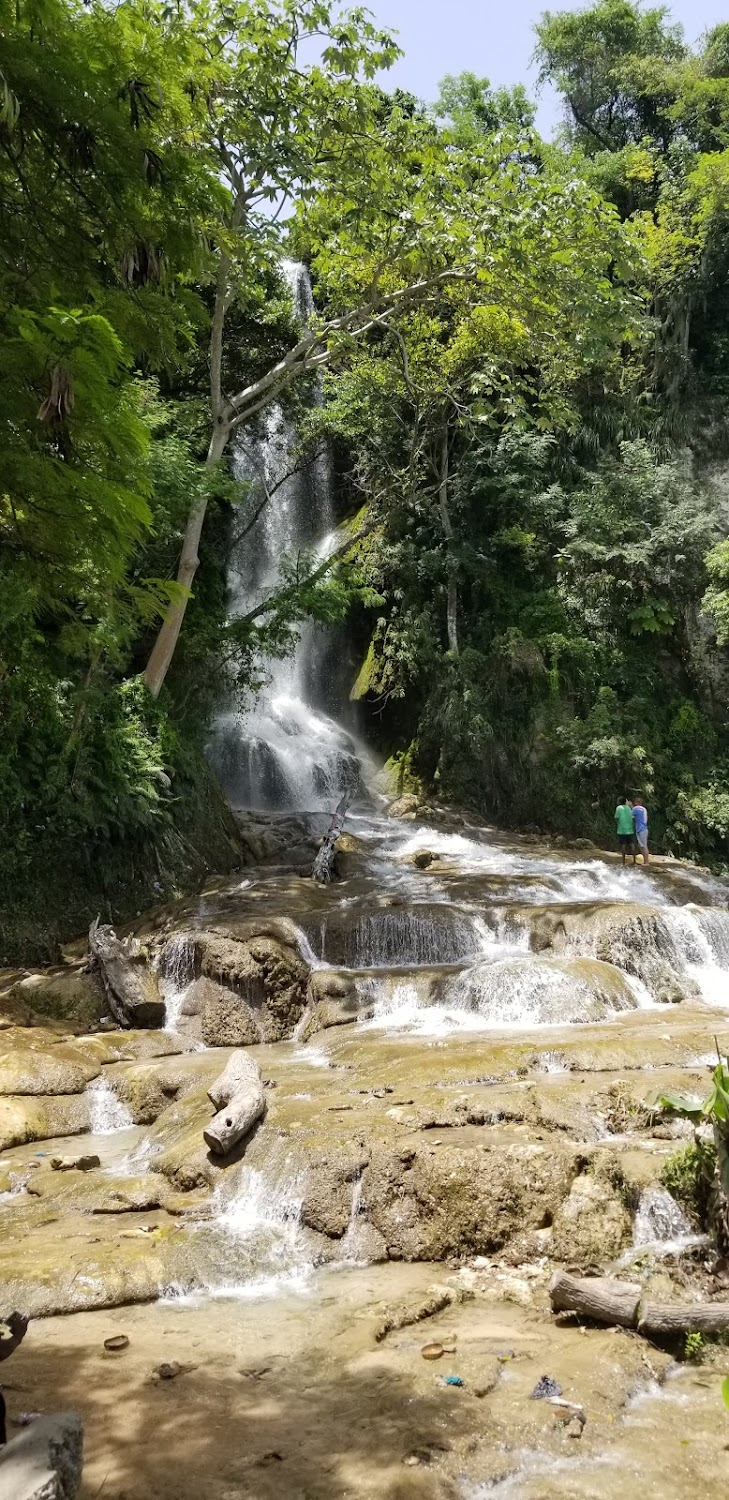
(445, 516)
(164, 646)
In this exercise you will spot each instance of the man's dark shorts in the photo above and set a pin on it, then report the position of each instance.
(625, 840)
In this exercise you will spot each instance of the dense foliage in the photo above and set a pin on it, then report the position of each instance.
(525, 352)
(554, 635)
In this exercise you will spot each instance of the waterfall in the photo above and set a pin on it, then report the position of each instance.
(659, 1219)
(283, 750)
(420, 935)
(107, 1113)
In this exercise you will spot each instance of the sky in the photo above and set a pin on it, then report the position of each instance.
(492, 38)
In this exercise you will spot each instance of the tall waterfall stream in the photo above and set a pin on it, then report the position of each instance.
(471, 1032)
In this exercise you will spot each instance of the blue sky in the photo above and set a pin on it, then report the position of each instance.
(492, 38)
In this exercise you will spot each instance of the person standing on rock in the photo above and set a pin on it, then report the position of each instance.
(626, 828)
(640, 823)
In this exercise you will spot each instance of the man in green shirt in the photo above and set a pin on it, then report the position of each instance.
(625, 827)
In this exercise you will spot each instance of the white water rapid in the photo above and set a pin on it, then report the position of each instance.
(281, 748)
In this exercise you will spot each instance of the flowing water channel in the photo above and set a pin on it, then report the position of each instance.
(476, 1004)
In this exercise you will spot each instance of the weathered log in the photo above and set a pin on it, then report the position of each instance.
(597, 1297)
(240, 1073)
(322, 871)
(239, 1099)
(133, 1000)
(604, 1300)
(662, 1320)
(234, 1121)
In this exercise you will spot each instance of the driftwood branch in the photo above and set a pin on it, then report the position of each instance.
(133, 997)
(603, 1300)
(239, 1099)
(322, 871)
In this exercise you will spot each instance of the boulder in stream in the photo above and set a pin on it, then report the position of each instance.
(258, 986)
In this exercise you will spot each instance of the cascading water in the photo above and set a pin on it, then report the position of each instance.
(107, 1113)
(283, 750)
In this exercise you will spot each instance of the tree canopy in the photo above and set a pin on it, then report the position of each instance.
(523, 349)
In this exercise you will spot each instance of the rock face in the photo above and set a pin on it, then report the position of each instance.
(445, 1203)
(404, 807)
(40, 1118)
(45, 1461)
(634, 938)
(592, 1225)
(333, 1001)
(250, 989)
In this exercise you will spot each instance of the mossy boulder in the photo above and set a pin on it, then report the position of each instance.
(445, 1201)
(60, 994)
(60, 1070)
(267, 977)
(593, 1224)
(24, 1119)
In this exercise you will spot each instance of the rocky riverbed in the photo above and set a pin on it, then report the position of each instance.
(463, 1040)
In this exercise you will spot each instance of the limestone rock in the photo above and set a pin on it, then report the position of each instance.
(148, 1088)
(226, 1019)
(333, 1001)
(177, 1139)
(404, 806)
(74, 1163)
(270, 978)
(62, 1070)
(463, 1202)
(329, 1185)
(37, 1119)
(45, 1461)
(592, 1226)
(635, 938)
(61, 994)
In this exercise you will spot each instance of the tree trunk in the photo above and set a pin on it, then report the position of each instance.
(239, 1099)
(322, 871)
(239, 1072)
(604, 1300)
(164, 647)
(133, 1000)
(596, 1297)
(664, 1320)
(452, 603)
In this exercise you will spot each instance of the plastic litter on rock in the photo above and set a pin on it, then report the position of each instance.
(545, 1388)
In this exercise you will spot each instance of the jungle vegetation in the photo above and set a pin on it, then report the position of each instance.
(525, 353)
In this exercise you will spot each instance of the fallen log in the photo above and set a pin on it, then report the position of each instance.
(132, 997)
(238, 1096)
(230, 1124)
(599, 1298)
(663, 1320)
(322, 871)
(604, 1300)
(239, 1072)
